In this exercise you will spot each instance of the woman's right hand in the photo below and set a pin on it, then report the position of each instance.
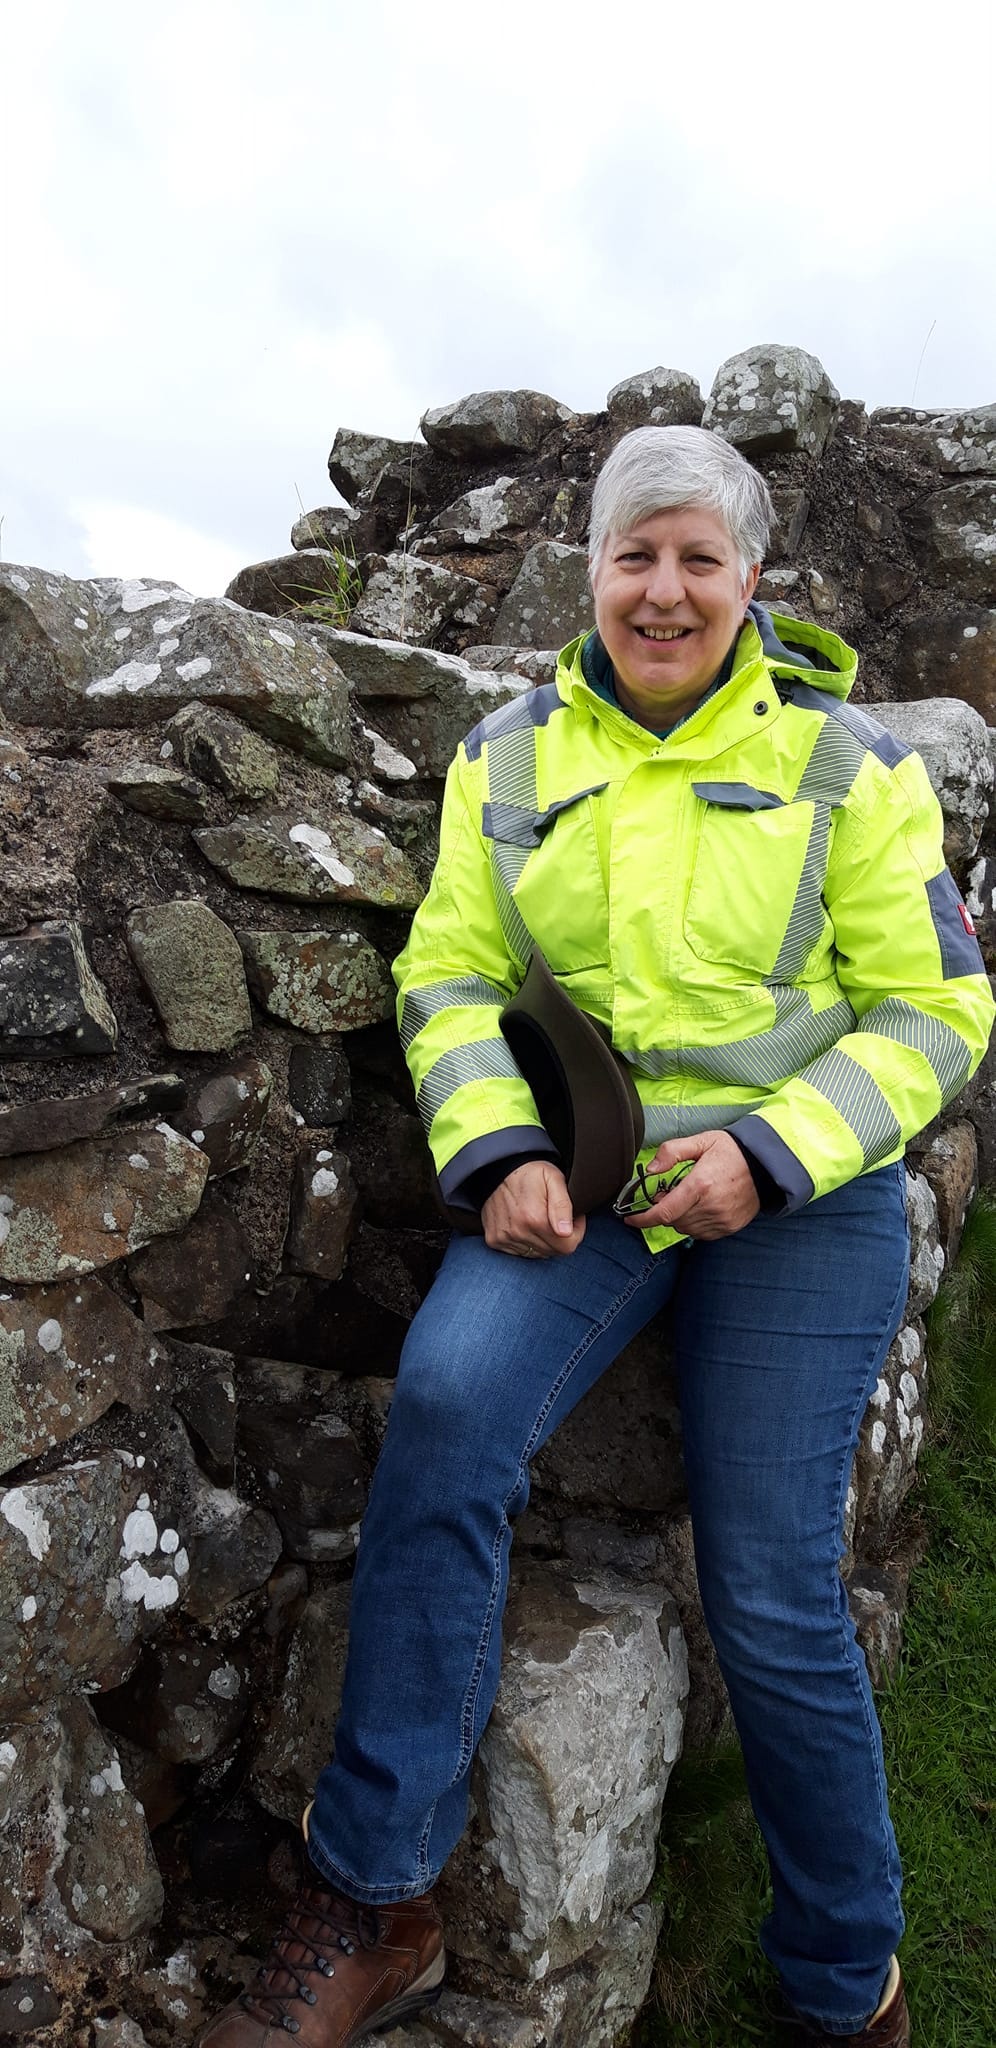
(530, 1216)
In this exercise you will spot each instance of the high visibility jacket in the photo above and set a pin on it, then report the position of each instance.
(756, 906)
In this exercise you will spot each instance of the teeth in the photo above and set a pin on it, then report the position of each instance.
(663, 632)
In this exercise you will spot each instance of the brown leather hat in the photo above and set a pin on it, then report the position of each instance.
(585, 1094)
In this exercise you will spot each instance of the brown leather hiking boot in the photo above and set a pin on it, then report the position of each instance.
(336, 1972)
(889, 2029)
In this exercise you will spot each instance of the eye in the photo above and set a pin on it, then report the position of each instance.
(634, 555)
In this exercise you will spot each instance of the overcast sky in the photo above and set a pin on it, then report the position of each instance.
(231, 226)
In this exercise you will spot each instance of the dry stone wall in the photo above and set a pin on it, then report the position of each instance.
(216, 1216)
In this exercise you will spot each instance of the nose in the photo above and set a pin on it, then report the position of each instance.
(665, 581)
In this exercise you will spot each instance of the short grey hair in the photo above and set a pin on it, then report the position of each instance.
(660, 469)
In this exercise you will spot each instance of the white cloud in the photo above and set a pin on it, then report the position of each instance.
(127, 540)
(236, 229)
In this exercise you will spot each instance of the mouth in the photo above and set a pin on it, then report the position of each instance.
(661, 633)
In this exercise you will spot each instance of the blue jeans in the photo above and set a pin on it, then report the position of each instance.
(780, 1333)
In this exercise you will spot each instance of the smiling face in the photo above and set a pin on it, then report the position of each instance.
(669, 603)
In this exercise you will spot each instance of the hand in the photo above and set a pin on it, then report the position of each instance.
(530, 1214)
(715, 1199)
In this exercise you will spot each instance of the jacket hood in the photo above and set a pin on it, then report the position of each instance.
(792, 647)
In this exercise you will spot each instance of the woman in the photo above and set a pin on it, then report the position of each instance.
(741, 878)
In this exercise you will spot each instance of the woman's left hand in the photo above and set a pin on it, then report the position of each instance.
(716, 1198)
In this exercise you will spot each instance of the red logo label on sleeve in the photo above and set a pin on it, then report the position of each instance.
(966, 920)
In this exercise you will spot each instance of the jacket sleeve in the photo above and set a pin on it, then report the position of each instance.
(454, 977)
(910, 966)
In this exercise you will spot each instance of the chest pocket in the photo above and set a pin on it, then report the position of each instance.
(548, 880)
(755, 897)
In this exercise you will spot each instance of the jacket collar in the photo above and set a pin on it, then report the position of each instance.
(771, 648)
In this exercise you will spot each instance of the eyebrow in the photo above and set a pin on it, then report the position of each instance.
(698, 545)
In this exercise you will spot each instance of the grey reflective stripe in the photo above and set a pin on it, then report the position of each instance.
(738, 796)
(534, 707)
(959, 947)
(808, 916)
(797, 1036)
(512, 769)
(422, 1003)
(487, 1060)
(679, 1120)
(507, 863)
(858, 1099)
(511, 737)
(941, 1047)
(833, 764)
(872, 736)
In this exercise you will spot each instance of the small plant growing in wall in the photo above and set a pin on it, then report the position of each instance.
(332, 602)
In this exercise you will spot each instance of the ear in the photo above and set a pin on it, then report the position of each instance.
(751, 582)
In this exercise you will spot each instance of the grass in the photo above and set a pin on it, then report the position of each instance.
(713, 1988)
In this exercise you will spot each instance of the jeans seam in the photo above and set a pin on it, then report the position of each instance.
(858, 2020)
(596, 1330)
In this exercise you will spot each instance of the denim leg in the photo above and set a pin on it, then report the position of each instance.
(500, 1351)
(782, 1330)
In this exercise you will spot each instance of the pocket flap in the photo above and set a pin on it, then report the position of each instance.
(738, 796)
(515, 826)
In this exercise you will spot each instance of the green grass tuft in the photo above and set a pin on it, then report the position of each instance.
(713, 1989)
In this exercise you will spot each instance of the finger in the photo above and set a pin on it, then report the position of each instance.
(560, 1209)
(687, 1195)
(677, 1208)
(674, 1150)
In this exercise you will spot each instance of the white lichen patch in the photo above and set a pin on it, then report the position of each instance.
(224, 1682)
(140, 1536)
(29, 1607)
(131, 677)
(122, 632)
(319, 845)
(282, 639)
(138, 1161)
(169, 1542)
(49, 1334)
(324, 1182)
(193, 671)
(878, 1437)
(107, 1780)
(909, 1390)
(136, 596)
(26, 1516)
(169, 646)
(139, 1586)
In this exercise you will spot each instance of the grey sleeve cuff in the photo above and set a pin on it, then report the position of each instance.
(756, 1137)
(508, 1144)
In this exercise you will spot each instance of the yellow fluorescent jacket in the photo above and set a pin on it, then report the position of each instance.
(757, 906)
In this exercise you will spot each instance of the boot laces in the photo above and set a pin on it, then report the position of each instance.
(318, 1921)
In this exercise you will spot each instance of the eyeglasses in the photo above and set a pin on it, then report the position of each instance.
(641, 1193)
